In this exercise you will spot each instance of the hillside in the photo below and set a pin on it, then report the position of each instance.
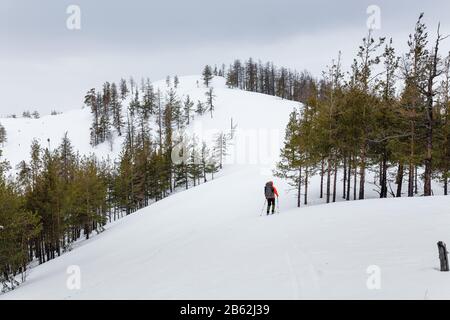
(209, 242)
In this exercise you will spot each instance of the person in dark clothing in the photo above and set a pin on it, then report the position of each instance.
(270, 192)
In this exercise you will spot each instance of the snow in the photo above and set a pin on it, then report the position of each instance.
(21, 132)
(210, 242)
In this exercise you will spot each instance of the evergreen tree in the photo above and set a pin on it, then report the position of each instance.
(207, 75)
(19, 227)
(168, 143)
(180, 168)
(210, 97)
(91, 197)
(205, 158)
(220, 148)
(187, 108)
(116, 110)
(123, 89)
(3, 137)
(290, 165)
(383, 141)
(159, 120)
(132, 85)
(67, 159)
(90, 100)
(104, 100)
(26, 114)
(175, 107)
(200, 110)
(195, 165)
(443, 132)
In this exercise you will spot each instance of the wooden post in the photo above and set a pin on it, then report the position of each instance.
(443, 256)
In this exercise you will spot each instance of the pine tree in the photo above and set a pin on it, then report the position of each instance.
(220, 148)
(207, 75)
(175, 107)
(3, 136)
(195, 167)
(4, 165)
(368, 57)
(159, 119)
(433, 72)
(144, 112)
(132, 85)
(210, 97)
(180, 167)
(200, 110)
(413, 100)
(123, 89)
(386, 129)
(116, 110)
(212, 166)
(205, 157)
(187, 108)
(19, 227)
(124, 182)
(290, 165)
(90, 100)
(105, 115)
(443, 132)
(26, 114)
(67, 159)
(134, 105)
(168, 143)
(35, 162)
(91, 197)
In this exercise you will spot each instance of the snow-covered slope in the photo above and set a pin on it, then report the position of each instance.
(50, 129)
(210, 242)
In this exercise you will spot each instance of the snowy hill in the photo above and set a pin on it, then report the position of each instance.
(209, 242)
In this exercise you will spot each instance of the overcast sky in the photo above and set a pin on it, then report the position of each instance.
(46, 66)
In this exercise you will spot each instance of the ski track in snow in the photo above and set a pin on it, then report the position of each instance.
(209, 242)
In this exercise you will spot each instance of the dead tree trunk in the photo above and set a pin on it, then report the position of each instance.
(355, 176)
(328, 180)
(299, 191)
(306, 186)
(384, 168)
(335, 181)
(321, 178)
(430, 94)
(443, 256)
(362, 172)
(344, 181)
(399, 180)
(445, 185)
(411, 180)
(416, 189)
(349, 176)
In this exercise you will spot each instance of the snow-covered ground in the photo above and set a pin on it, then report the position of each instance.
(210, 242)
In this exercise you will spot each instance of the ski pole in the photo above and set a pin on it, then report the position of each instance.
(278, 205)
(262, 210)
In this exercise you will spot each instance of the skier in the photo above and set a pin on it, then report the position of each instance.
(270, 192)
